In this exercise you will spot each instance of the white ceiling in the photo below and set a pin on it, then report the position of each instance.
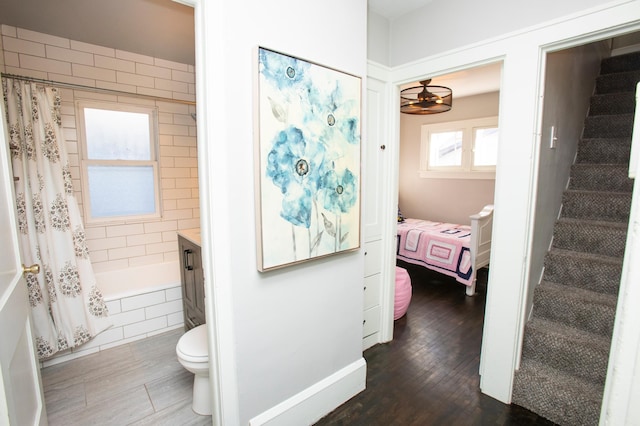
(392, 9)
(158, 28)
(468, 82)
(472, 81)
(167, 30)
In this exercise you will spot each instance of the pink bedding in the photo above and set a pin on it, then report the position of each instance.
(442, 247)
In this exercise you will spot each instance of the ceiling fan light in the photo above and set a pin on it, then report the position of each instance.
(425, 99)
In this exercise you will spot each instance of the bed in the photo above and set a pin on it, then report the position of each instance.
(458, 251)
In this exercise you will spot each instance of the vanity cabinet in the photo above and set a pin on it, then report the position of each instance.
(192, 277)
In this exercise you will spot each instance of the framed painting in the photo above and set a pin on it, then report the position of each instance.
(308, 143)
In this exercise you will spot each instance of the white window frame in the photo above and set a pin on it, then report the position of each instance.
(85, 163)
(466, 170)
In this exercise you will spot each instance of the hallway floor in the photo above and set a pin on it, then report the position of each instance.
(428, 375)
(140, 383)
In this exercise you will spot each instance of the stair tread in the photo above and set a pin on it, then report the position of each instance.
(618, 125)
(566, 380)
(567, 331)
(595, 191)
(619, 117)
(626, 139)
(589, 222)
(585, 295)
(622, 92)
(604, 150)
(619, 73)
(561, 397)
(595, 204)
(619, 102)
(575, 351)
(587, 256)
(625, 61)
(607, 165)
(620, 81)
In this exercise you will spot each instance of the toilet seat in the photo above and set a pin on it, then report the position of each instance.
(193, 345)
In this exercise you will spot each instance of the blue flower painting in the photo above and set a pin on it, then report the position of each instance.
(308, 186)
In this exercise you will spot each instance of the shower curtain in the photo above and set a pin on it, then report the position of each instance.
(67, 307)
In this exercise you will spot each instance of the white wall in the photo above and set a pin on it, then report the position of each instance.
(377, 38)
(284, 331)
(454, 24)
(569, 84)
(447, 200)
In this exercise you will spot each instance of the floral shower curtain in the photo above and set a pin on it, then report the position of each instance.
(67, 307)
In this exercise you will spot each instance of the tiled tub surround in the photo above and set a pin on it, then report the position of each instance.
(139, 309)
(136, 263)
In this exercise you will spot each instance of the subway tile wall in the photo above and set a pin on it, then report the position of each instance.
(138, 243)
(1, 56)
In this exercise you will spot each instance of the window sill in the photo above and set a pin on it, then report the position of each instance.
(432, 174)
(133, 220)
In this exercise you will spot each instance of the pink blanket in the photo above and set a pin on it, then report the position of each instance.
(442, 247)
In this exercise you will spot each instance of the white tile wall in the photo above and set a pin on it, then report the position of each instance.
(116, 246)
(12, 56)
(133, 318)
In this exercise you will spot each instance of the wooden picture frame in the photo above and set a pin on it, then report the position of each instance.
(308, 151)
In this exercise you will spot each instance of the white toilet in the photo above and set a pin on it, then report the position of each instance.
(193, 354)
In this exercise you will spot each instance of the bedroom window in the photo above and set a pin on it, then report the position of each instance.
(119, 161)
(460, 150)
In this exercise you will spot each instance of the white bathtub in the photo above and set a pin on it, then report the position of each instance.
(142, 301)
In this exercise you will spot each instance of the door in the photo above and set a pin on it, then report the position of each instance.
(21, 396)
(376, 180)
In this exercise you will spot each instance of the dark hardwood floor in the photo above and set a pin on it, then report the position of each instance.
(428, 375)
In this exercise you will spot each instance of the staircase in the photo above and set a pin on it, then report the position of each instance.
(567, 340)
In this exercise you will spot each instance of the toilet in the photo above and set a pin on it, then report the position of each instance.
(193, 354)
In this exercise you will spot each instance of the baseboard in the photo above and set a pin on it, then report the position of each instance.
(371, 340)
(313, 403)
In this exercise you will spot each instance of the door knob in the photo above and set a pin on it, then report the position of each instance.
(33, 269)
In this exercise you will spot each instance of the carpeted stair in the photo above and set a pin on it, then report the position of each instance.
(567, 340)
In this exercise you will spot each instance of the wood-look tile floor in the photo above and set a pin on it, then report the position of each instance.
(140, 383)
(428, 375)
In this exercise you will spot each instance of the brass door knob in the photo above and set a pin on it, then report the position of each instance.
(33, 269)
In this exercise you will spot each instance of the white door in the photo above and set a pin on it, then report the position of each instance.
(378, 320)
(21, 396)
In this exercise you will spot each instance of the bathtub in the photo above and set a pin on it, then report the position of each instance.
(142, 301)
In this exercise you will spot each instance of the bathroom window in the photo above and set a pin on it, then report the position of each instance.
(460, 149)
(119, 161)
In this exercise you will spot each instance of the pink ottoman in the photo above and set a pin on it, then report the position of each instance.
(403, 293)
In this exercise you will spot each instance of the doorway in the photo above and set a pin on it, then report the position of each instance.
(453, 196)
(117, 63)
